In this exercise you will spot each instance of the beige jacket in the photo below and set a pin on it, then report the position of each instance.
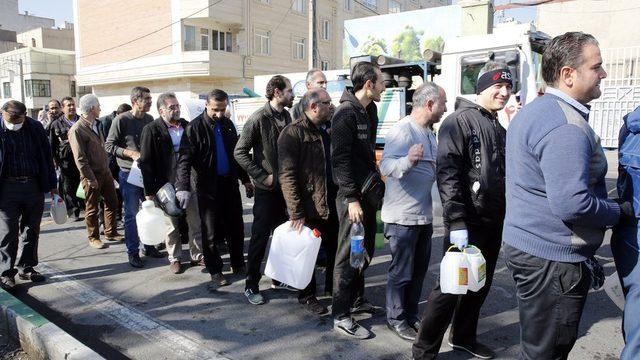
(88, 150)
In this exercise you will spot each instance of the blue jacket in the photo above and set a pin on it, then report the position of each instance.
(629, 169)
(47, 178)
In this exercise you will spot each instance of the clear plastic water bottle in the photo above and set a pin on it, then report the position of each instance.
(356, 235)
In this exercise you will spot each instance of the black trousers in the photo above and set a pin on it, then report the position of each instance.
(327, 229)
(348, 283)
(551, 296)
(69, 181)
(227, 205)
(462, 311)
(269, 211)
(21, 207)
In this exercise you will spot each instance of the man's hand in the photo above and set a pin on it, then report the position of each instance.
(149, 197)
(134, 155)
(459, 238)
(268, 182)
(93, 184)
(183, 198)
(416, 152)
(297, 224)
(249, 189)
(355, 212)
(54, 192)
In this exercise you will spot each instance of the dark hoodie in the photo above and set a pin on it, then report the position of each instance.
(353, 140)
(629, 159)
(471, 149)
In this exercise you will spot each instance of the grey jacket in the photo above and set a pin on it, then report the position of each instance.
(260, 133)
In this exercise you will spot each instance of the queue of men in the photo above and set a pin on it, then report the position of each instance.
(538, 188)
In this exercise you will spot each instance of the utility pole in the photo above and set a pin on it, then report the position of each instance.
(21, 80)
(312, 35)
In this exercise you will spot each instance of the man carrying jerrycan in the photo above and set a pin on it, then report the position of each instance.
(304, 165)
(470, 174)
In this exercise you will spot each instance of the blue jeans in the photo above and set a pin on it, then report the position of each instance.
(624, 245)
(410, 253)
(132, 197)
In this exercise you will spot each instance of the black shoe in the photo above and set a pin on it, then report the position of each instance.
(240, 270)
(135, 261)
(31, 275)
(313, 306)
(7, 283)
(403, 330)
(415, 325)
(152, 252)
(478, 350)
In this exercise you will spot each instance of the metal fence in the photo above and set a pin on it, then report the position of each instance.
(620, 93)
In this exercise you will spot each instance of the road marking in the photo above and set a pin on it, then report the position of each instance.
(159, 334)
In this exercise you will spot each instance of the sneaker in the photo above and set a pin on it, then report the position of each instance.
(404, 331)
(478, 350)
(116, 237)
(277, 285)
(313, 306)
(175, 267)
(135, 261)
(254, 297)
(366, 307)
(96, 244)
(219, 279)
(152, 252)
(198, 262)
(351, 328)
(7, 283)
(31, 275)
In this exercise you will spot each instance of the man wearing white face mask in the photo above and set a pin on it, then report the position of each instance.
(26, 173)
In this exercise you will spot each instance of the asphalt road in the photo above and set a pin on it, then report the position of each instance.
(150, 313)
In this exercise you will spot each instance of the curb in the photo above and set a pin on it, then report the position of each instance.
(39, 337)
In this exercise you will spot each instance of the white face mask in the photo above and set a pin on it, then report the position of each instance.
(11, 126)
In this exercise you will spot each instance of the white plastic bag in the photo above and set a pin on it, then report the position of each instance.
(135, 175)
(58, 210)
(292, 255)
(613, 288)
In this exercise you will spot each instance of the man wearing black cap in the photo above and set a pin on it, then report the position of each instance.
(470, 171)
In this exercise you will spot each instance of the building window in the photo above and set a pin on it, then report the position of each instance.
(298, 5)
(324, 65)
(189, 38)
(326, 29)
(6, 90)
(262, 43)
(37, 88)
(371, 4)
(347, 5)
(83, 90)
(229, 42)
(72, 89)
(298, 48)
(204, 39)
(394, 6)
(221, 41)
(266, 2)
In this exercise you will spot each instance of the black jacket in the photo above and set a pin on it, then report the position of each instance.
(471, 149)
(157, 158)
(59, 142)
(198, 151)
(353, 141)
(260, 133)
(47, 178)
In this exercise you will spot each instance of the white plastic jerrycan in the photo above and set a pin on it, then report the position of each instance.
(292, 255)
(477, 267)
(152, 228)
(454, 272)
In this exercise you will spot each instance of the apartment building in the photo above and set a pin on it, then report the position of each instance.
(192, 46)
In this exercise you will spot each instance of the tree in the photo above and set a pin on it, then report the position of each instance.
(435, 44)
(406, 45)
(374, 46)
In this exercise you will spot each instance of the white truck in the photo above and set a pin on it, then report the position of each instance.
(519, 45)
